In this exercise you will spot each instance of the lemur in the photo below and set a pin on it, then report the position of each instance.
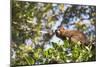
(72, 35)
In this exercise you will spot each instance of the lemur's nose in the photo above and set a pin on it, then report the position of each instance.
(57, 31)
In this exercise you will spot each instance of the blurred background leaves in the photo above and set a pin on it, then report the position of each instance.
(33, 40)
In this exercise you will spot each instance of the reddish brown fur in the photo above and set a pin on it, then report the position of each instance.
(73, 35)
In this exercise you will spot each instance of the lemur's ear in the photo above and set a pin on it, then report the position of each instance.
(62, 27)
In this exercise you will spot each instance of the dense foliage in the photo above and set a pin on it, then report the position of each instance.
(32, 26)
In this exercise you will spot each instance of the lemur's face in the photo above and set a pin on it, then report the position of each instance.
(60, 31)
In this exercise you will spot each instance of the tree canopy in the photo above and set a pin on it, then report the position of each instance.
(32, 28)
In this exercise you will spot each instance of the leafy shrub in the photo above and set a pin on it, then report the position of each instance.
(30, 19)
